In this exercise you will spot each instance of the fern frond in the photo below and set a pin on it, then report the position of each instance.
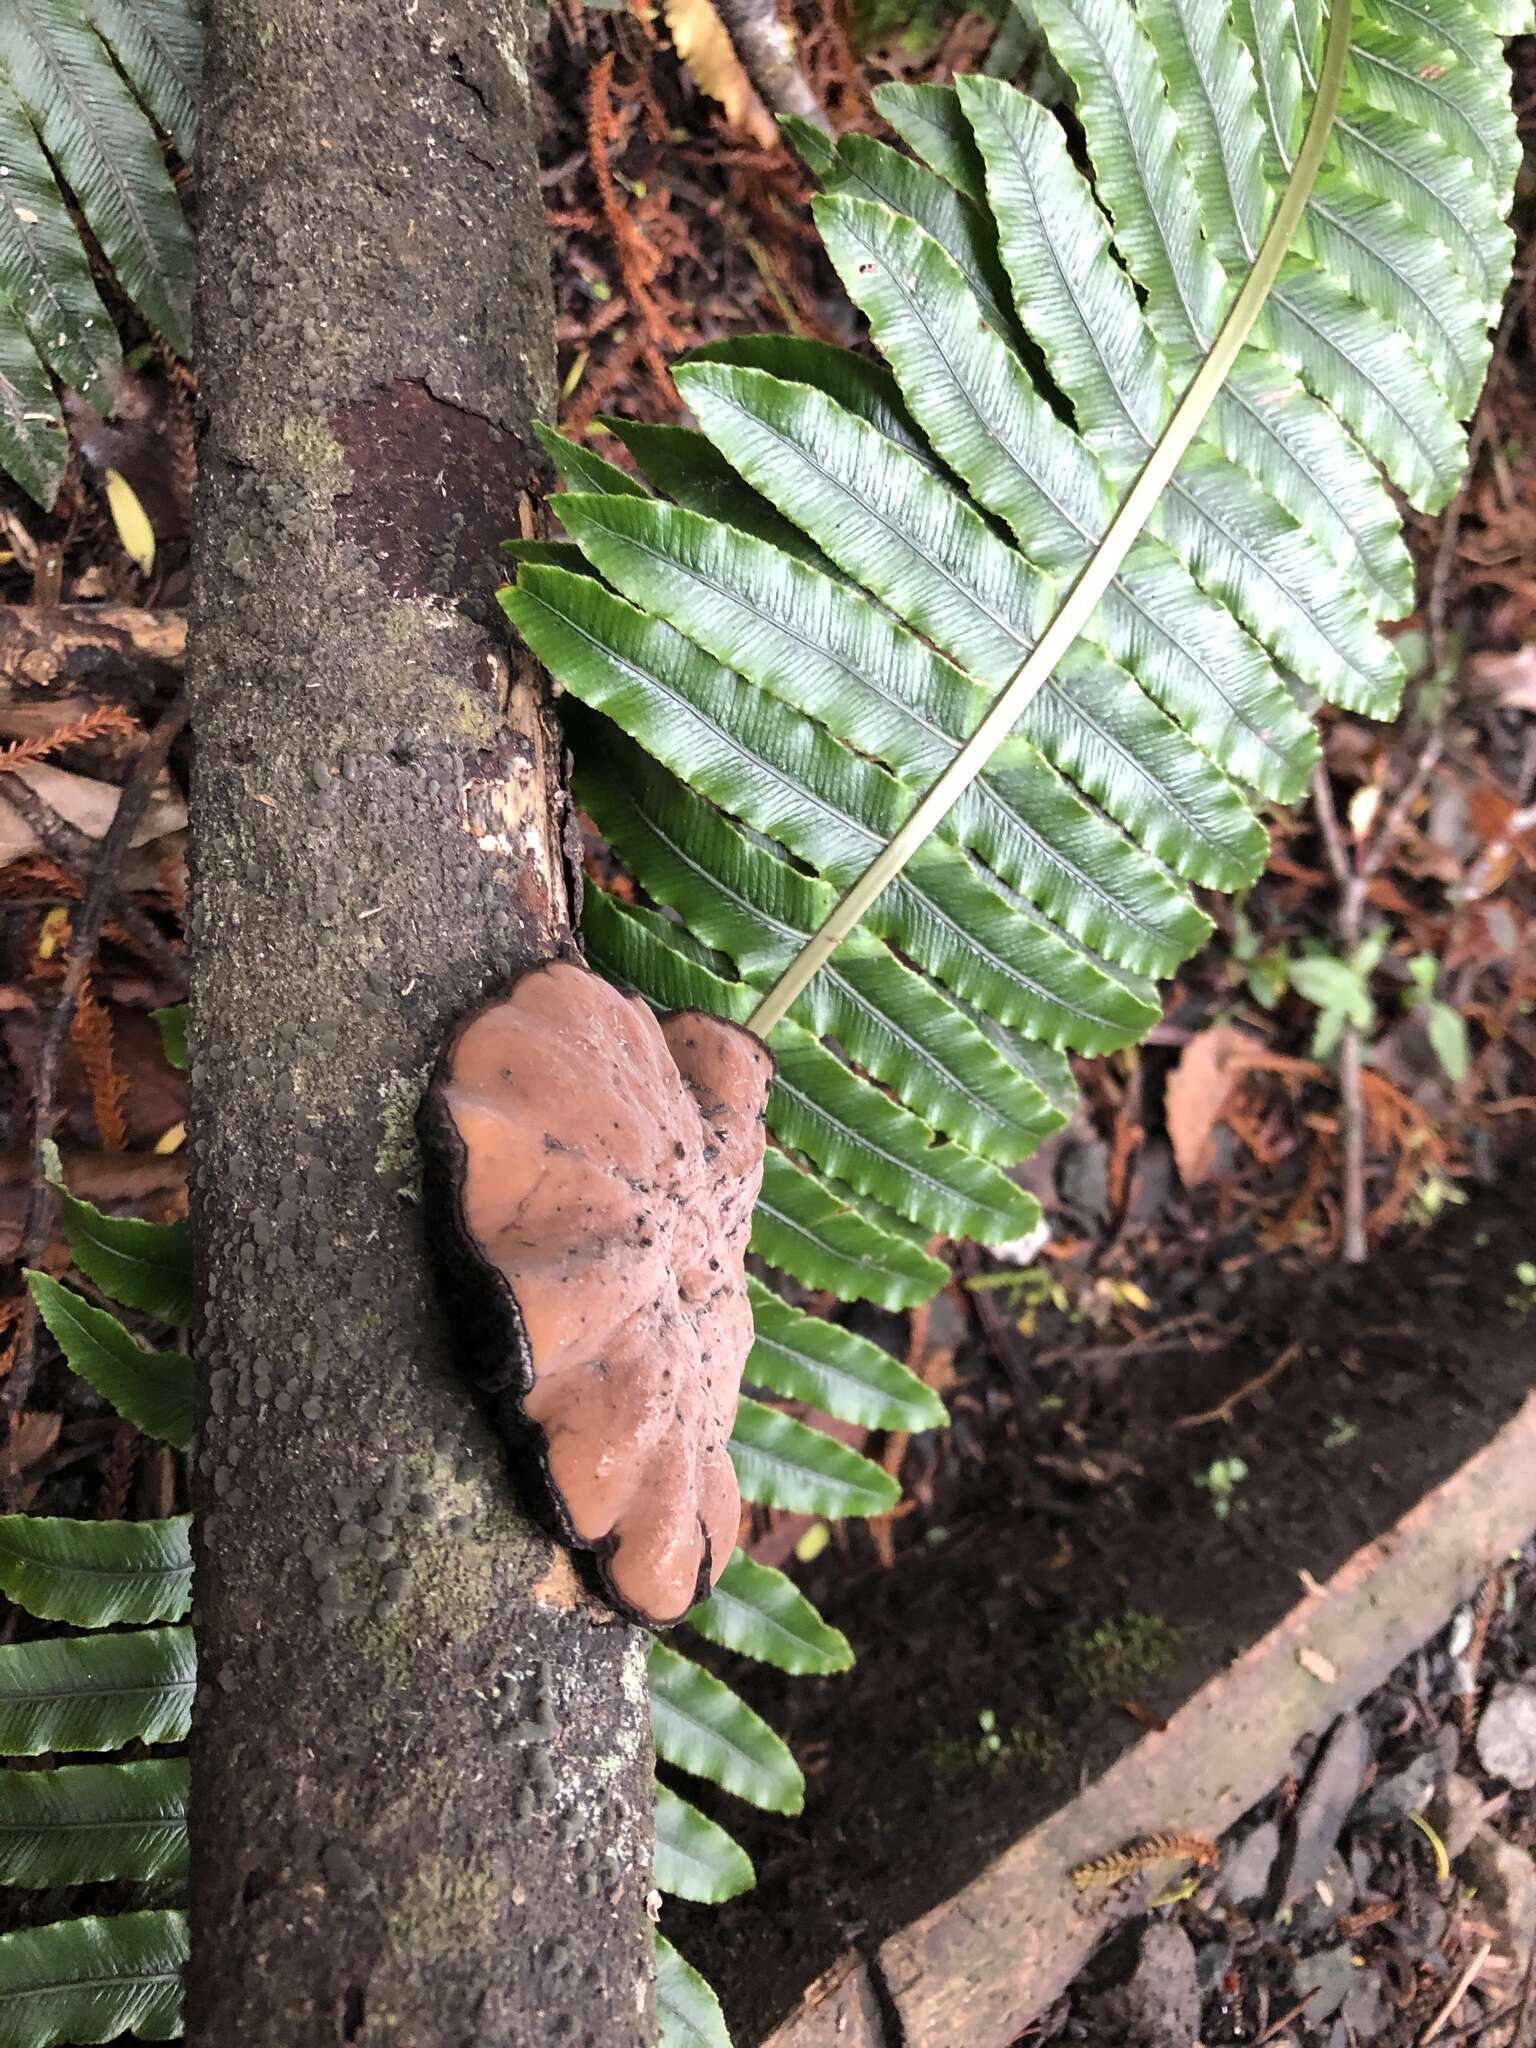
(84, 1823)
(86, 1981)
(695, 1858)
(84, 85)
(801, 634)
(155, 1389)
(96, 1692)
(97, 1574)
(688, 2013)
(756, 1610)
(702, 1726)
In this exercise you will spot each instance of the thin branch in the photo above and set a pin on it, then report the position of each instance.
(767, 55)
(1351, 1101)
(85, 936)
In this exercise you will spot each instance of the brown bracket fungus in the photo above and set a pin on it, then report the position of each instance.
(592, 1171)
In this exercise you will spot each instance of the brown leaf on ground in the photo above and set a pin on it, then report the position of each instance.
(1198, 1091)
(87, 805)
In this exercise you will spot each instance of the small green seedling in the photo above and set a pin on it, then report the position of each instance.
(1446, 1027)
(1220, 1479)
(1340, 1433)
(1339, 990)
(1523, 1299)
(1266, 968)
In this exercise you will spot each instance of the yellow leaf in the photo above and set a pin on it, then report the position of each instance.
(701, 40)
(53, 934)
(171, 1140)
(131, 521)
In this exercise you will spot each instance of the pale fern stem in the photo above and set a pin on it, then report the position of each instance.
(1099, 571)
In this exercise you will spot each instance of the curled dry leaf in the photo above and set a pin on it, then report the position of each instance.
(593, 1173)
(704, 45)
(87, 805)
(1199, 1089)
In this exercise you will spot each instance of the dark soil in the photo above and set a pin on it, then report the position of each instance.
(1072, 1580)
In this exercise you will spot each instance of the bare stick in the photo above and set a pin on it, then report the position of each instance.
(1351, 1099)
(767, 55)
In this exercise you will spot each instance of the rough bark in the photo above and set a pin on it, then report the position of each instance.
(421, 1774)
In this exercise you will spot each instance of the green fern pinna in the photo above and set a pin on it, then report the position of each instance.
(87, 88)
(770, 660)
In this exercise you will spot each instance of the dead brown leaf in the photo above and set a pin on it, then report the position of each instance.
(1198, 1091)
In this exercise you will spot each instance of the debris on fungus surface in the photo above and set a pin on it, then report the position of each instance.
(591, 1177)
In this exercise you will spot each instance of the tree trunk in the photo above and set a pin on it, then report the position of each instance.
(421, 1809)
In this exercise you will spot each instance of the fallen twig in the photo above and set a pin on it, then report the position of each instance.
(1222, 1412)
(1458, 1992)
(767, 56)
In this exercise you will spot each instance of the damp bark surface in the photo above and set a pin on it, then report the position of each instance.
(421, 1808)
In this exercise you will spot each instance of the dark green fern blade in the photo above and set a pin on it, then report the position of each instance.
(801, 1226)
(817, 1105)
(143, 1265)
(155, 1389)
(695, 1859)
(760, 1613)
(684, 466)
(97, 1574)
(688, 2013)
(1078, 303)
(861, 385)
(782, 775)
(46, 275)
(96, 1691)
(923, 550)
(34, 446)
(827, 651)
(89, 1981)
(743, 899)
(984, 416)
(87, 1823)
(159, 45)
(107, 153)
(701, 1725)
(784, 1463)
(806, 1358)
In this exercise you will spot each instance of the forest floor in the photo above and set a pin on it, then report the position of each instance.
(1185, 1398)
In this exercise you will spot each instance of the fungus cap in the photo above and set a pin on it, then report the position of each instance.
(593, 1172)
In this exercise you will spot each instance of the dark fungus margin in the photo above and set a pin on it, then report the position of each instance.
(591, 1176)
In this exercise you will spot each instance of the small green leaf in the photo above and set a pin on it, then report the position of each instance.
(702, 1726)
(96, 1574)
(688, 2013)
(1448, 1035)
(154, 1389)
(96, 1692)
(143, 1265)
(759, 1612)
(694, 1858)
(785, 1464)
(173, 1032)
(85, 1823)
(88, 1981)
